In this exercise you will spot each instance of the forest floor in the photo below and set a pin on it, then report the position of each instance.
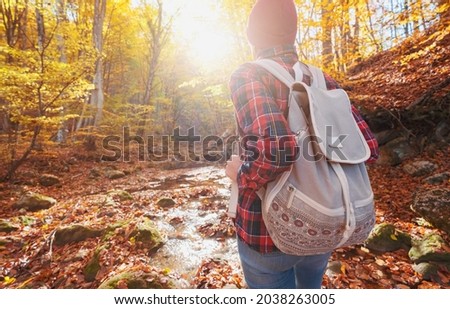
(29, 258)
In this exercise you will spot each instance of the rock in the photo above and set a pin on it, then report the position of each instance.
(432, 248)
(419, 168)
(427, 270)
(385, 237)
(93, 266)
(147, 234)
(438, 178)
(114, 174)
(165, 202)
(34, 202)
(7, 227)
(434, 206)
(48, 180)
(121, 194)
(74, 233)
(386, 136)
(333, 268)
(142, 279)
(442, 132)
(396, 151)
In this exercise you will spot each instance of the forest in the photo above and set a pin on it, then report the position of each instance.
(116, 121)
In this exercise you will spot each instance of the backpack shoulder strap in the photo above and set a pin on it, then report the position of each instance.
(277, 70)
(318, 77)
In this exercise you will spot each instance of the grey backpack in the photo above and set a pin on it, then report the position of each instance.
(325, 201)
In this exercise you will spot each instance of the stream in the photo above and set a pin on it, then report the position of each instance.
(186, 247)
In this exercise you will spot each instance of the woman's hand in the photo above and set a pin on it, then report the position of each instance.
(232, 167)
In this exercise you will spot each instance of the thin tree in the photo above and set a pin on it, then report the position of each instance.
(157, 37)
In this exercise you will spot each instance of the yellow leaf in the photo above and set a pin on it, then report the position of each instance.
(393, 237)
(132, 240)
(343, 269)
(8, 280)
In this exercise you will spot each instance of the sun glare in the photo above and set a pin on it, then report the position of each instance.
(198, 26)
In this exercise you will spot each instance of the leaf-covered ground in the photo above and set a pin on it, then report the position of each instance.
(416, 70)
(30, 258)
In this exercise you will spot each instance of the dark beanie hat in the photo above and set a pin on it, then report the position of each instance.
(272, 23)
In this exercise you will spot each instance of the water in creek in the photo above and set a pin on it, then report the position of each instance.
(186, 248)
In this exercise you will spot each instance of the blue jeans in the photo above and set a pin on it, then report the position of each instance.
(278, 270)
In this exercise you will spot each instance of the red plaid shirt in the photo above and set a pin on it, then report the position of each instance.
(260, 102)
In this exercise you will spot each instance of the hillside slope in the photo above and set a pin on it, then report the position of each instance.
(410, 74)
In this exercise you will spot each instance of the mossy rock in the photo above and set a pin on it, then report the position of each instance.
(165, 202)
(429, 249)
(110, 230)
(75, 233)
(385, 237)
(34, 202)
(7, 227)
(147, 233)
(121, 194)
(114, 174)
(139, 280)
(93, 266)
(105, 201)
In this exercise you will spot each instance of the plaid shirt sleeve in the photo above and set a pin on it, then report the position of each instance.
(270, 146)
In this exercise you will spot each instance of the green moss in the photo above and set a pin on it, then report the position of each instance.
(138, 280)
(75, 233)
(430, 248)
(385, 237)
(147, 233)
(34, 202)
(121, 194)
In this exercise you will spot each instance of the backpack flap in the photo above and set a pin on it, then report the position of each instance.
(337, 134)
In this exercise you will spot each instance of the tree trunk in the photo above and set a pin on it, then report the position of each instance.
(158, 35)
(97, 97)
(354, 46)
(17, 163)
(61, 135)
(327, 48)
(371, 30)
(22, 33)
(40, 27)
